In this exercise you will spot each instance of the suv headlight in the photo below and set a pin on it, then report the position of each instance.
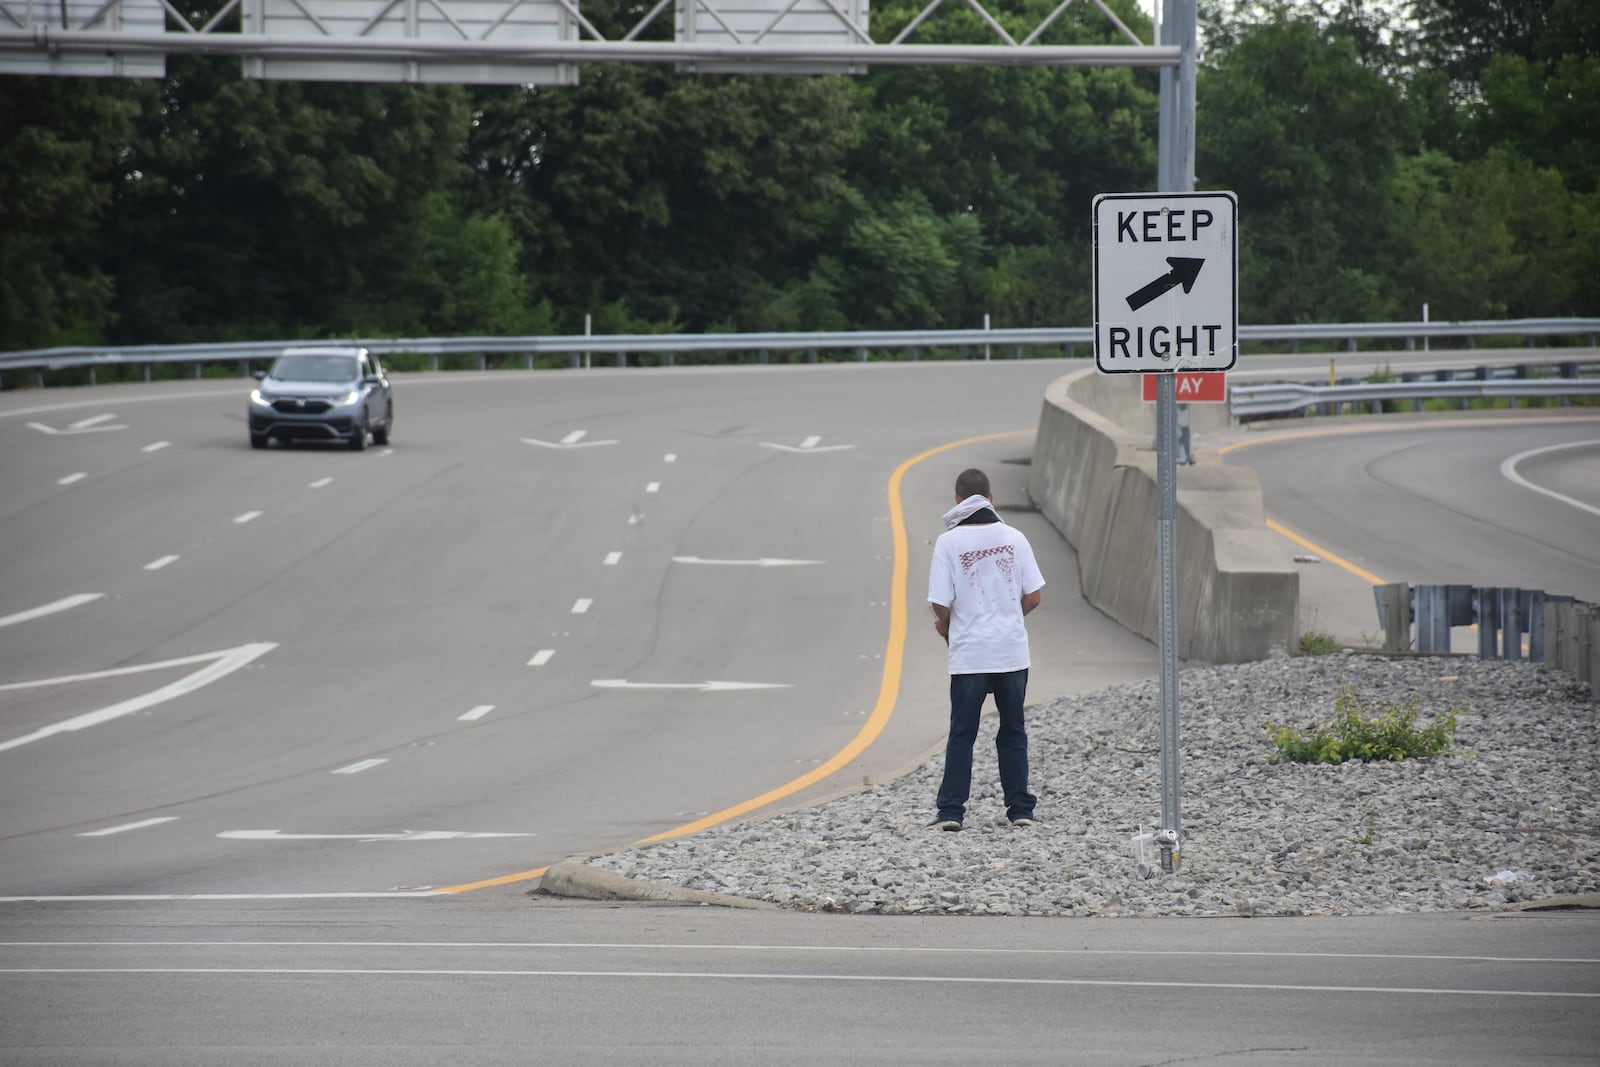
(258, 397)
(352, 397)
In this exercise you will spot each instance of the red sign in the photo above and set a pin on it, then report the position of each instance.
(1193, 387)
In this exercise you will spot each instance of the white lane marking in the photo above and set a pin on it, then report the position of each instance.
(807, 445)
(157, 564)
(248, 516)
(770, 976)
(653, 487)
(670, 457)
(222, 664)
(572, 440)
(476, 713)
(362, 765)
(92, 420)
(703, 687)
(320, 482)
(762, 562)
(404, 835)
(76, 428)
(1508, 470)
(541, 657)
(612, 558)
(157, 897)
(76, 476)
(582, 605)
(387, 452)
(156, 446)
(66, 603)
(125, 827)
(847, 950)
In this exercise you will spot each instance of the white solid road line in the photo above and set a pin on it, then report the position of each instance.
(248, 516)
(76, 476)
(476, 713)
(703, 687)
(158, 897)
(221, 665)
(404, 835)
(157, 564)
(156, 446)
(763, 562)
(612, 558)
(363, 765)
(125, 827)
(64, 604)
(92, 420)
(582, 605)
(541, 657)
(1508, 470)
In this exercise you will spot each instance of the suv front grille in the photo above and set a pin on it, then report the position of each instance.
(300, 406)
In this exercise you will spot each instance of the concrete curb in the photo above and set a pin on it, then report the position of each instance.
(574, 878)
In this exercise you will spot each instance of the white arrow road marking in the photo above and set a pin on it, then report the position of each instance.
(404, 835)
(763, 562)
(125, 827)
(222, 664)
(572, 440)
(64, 604)
(93, 424)
(808, 445)
(704, 687)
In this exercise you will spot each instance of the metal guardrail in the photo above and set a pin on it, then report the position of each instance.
(1561, 631)
(861, 342)
(1291, 398)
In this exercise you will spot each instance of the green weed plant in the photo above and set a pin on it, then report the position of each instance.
(1359, 733)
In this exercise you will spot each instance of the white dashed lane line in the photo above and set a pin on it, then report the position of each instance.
(66, 603)
(582, 605)
(670, 457)
(612, 558)
(248, 516)
(157, 564)
(653, 487)
(155, 446)
(125, 827)
(320, 482)
(363, 765)
(476, 713)
(76, 476)
(541, 657)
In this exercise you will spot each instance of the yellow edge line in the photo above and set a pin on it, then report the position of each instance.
(1284, 531)
(888, 689)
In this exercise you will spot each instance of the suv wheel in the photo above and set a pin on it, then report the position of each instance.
(380, 436)
(358, 440)
(258, 440)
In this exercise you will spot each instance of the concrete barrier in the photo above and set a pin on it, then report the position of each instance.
(1094, 478)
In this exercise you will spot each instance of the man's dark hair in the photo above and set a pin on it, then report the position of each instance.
(972, 482)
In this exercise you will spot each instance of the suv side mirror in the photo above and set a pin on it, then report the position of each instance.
(259, 375)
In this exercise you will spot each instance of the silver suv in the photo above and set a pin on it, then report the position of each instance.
(322, 394)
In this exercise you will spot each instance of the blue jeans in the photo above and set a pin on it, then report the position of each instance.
(1011, 743)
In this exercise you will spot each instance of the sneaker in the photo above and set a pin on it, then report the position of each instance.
(1024, 821)
(946, 824)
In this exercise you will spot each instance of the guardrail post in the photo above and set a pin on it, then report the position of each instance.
(622, 359)
(1394, 609)
(1412, 376)
(483, 361)
(433, 362)
(1533, 618)
(92, 380)
(1016, 351)
(861, 354)
(197, 370)
(1433, 618)
(527, 361)
(1511, 624)
(911, 353)
(811, 355)
(1568, 371)
(763, 357)
(667, 356)
(1488, 620)
(244, 368)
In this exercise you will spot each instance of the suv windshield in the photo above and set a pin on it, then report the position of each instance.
(314, 369)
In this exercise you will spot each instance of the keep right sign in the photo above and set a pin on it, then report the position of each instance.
(1166, 290)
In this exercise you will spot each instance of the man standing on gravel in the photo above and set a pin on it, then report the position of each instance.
(984, 579)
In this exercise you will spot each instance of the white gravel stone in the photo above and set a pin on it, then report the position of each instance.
(1511, 812)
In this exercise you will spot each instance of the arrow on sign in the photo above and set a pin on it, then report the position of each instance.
(747, 562)
(703, 687)
(405, 835)
(1183, 272)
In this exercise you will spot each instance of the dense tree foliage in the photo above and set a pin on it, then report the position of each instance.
(1439, 151)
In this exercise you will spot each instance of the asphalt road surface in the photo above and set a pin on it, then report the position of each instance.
(286, 735)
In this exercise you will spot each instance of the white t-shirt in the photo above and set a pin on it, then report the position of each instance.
(980, 572)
